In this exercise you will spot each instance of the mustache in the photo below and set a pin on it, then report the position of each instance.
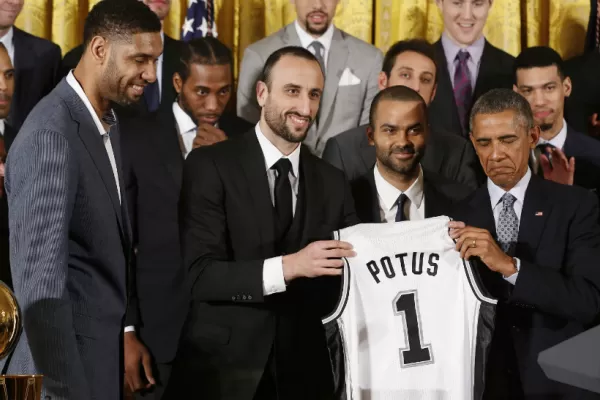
(408, 149)
(297, 114)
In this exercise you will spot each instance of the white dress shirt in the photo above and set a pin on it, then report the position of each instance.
(2, 126)
(325, 39)
(414, 208)
(186, 128)
(557, 141)
(518, 191)
(273, 280)
(7, 41)
(109, 150)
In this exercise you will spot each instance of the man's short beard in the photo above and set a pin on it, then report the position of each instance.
(315, 31)
(546, 127)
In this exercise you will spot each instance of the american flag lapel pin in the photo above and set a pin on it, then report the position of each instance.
(539, 214)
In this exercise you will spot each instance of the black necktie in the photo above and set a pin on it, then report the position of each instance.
(152, 96)
(400, 211)
(283, 196)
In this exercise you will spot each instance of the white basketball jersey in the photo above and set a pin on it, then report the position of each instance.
(413, 321)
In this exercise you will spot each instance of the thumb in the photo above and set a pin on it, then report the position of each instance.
(148, 368)
(594, 119)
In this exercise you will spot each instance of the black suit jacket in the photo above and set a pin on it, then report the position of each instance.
(448, 155)
(10, 134)
(584, 100)
(586, 151)
(152, 171)
(495, 71)
(557, 292)
(227, 233)
(590, 39)
(171, 54)
(37, 63)
(439, 193)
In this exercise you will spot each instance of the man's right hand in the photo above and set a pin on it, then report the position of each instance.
(136, 356)
(561, 170)
(323, 258)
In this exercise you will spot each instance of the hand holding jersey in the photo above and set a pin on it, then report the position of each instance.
(323, 258)
(476, 242)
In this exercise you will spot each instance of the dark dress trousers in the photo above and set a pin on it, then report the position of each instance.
(234, 336)
(557, 292)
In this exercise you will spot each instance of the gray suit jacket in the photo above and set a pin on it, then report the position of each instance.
(342, 107)
(447, 155)
(70, 242)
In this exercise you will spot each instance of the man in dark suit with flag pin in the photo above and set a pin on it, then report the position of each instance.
(536, 245)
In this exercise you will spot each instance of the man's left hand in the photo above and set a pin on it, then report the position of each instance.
(476, 242)
(207, 135)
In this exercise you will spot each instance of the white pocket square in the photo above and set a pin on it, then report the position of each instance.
(348, 78)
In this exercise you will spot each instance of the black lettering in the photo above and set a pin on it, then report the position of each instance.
(374, 270)
(402, 265)
(433, 267)
(417, 268)
(388, 269)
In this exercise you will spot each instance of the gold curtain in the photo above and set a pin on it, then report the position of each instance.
(512, 24)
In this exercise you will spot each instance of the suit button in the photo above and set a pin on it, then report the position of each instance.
(249, 297)
(244, 297)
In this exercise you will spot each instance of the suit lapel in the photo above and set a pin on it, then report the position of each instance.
(433, 199)
(481, 214)
(534, 215)
(314, 189)
(252, 164)
(486, 68)
(115, 141)
(366, 199)
(93, 142)
(168, 147)
(445, 91)
(170, 59)
(289, 36)
(367, 152)
(336, 62)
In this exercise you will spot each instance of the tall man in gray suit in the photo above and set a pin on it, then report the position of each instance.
(351, 69)
(69, 227)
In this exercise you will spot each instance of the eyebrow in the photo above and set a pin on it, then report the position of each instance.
(507, 136)
(523, 86)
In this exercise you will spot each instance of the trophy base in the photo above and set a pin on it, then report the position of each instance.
(21, 387)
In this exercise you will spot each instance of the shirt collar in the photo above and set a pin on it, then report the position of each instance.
(388, 194)
(451, 49)
(184, 121)
(110, 117)
(557, 141)
(518, 191)
(272, 153)
(2, 127)
(7, 40)
(306, 39)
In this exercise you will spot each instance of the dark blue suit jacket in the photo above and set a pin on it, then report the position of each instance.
(557, 293)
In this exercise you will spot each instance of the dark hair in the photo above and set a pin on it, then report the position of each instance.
(539, 57)
(119, 20)
(293, 51)
(499, 100)
(204, 51)
(419, 46)
(395, 93)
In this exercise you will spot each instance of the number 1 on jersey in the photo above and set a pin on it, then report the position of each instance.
(406, 305)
